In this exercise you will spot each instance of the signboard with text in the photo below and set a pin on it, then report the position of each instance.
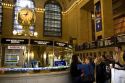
(60, 63)
(60, 44)
(14, 41)
(41, 42)
(15, 47)
(11, 58)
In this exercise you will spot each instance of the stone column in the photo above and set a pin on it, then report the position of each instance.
(106, 19)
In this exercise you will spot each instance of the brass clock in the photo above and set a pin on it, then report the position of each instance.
(26, 17)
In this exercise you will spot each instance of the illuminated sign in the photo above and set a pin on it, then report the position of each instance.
(61, 44)
(69, 46)
(14, 41)
(11, 58)
(41, 42)
(60, 63)
(15, 47)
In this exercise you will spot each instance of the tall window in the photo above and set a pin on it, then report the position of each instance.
(0, 16)
(20, 4)
(52, 19)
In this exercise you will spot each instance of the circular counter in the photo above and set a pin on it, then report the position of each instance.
(51, 77)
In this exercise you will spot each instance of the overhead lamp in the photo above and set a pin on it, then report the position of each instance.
(35, 34)
(15, 32)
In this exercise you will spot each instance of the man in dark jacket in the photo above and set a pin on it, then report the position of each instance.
(74, 71)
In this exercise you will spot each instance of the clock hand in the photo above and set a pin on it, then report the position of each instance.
(25, 14)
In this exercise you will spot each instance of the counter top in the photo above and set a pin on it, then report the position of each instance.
(33, 74)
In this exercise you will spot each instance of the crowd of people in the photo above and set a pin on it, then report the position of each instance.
(96, 69)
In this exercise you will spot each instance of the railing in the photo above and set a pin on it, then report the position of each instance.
(107, 42)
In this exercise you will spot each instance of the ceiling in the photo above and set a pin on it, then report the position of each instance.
(89, 6)
(66, 3)
(40, 3)
(118, 8)
(118, 5)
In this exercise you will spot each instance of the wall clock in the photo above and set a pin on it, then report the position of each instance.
(26, 17)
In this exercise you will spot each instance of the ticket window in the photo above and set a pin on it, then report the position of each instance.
(62, 57)
(14, 56)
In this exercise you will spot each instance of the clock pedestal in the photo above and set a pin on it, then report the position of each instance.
(26, 30)
(28, 34)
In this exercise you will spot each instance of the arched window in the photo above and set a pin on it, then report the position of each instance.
(52, 19)
(1, 16)
(20, 4)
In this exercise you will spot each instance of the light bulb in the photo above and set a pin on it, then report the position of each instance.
(35, 33)
(14, 32)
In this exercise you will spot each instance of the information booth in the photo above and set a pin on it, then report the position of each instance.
(20, 53)
(35, 61)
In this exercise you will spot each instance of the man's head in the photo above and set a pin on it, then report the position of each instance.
(103, 57)
(118, 48)
(87, 60)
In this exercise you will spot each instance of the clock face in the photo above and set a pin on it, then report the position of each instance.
(26, 16)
